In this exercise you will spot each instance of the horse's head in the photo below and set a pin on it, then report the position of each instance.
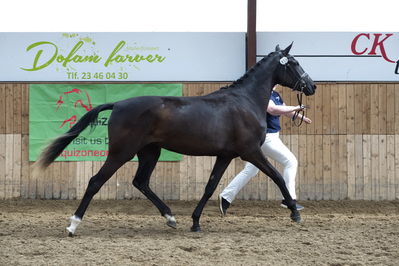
(290, 74)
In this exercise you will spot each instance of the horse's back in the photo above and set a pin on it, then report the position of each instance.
(204, 125)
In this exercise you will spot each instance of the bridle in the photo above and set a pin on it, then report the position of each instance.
(299, 98)
(301, 83)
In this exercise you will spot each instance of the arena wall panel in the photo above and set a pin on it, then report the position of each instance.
(350, 151)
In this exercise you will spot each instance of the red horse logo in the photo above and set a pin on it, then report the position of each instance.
(87, 107)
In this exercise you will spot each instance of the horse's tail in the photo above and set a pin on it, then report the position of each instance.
(54, 149)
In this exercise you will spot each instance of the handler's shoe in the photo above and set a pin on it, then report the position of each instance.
(298, 207)
(223, 205)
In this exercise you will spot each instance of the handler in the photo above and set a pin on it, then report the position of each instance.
(272, 148)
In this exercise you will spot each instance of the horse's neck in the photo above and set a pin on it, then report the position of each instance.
(260, 81)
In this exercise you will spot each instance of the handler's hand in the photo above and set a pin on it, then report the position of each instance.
(307, 120)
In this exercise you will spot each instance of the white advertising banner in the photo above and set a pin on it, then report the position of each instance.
(339, 56)
(121, 56)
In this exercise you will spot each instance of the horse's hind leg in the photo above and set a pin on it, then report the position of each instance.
(96, 182)
(148, 158)
(258, 159)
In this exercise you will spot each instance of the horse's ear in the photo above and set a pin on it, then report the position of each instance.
(287, 50)
(278, 48)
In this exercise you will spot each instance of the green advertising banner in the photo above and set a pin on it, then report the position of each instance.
(55, 108)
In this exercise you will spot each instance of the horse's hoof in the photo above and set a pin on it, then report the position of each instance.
(296, 217)
(195, 228)
(172, 224)
(170, 221)
(70, 234)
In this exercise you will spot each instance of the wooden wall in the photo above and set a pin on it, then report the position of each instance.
(350, 151)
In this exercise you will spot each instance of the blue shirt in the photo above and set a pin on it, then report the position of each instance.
(273, 121)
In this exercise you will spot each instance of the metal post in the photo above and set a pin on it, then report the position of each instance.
(251, 34)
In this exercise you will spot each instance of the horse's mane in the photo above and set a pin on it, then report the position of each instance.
(247, 74)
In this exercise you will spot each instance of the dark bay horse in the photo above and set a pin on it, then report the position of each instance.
(227, 123)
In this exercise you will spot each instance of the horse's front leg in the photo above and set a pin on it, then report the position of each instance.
(258, 159)
(217, 172)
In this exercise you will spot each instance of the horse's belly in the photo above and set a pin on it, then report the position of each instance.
(196, 147)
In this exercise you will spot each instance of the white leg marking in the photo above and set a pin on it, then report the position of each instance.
(75, 221)
(170, 218)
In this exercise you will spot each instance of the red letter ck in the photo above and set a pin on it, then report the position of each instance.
(381, 45)
(354, 43)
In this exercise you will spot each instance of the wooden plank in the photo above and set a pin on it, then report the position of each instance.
(382, 116)
(343, 167)
(17, 164)
(334, 115)
(326, 109)
(183, 175)
(2, 108)
(175, 180)
(302, 178)
(17, 108)
(375, 173)
(72, 178)
(310, 101)
(351, 166)
(120, 182)
(350, 109)
(86, 171)
(390, 105)
(58, 181)
(159, 180)
(64, 180)
(335, 186)
(55, 181)
(367, 193)
(129, 172)
(390, 167)
(396, 109)
(342, 109)
(2, 166)
(9, 112)
(47, 182)
(199, 178)
(191, 178)
(80, 181)
(112, 183)
(318, 167)
(358, 108)
(366, 108)
(396, 166)
(9, 165)
(310, 167)
(383, 174)
(327, 167)
(359, 179)
(160, 177)
(25, 109)
(25, 175)
(120, 188)
(374, 109)
(169, 181)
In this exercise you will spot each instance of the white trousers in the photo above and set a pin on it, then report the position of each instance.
(272, 148)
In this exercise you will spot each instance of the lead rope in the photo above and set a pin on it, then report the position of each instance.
(302, 111)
